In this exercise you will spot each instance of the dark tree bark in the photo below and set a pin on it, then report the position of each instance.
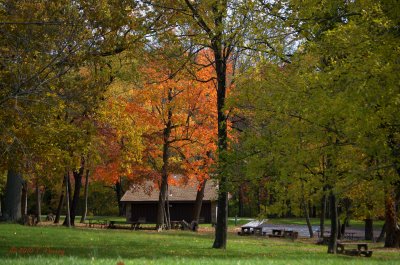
(381, 236)
(85, 208)
(77, 189)
(161, 213)
(392, 230)
(24, 198)
(60, 203)
(75, 200)
(258, 202)
(347, 206)
(304, 205)
(119, 193)
(334, 223)
(308, 220)
(69, 191)
(199, 201)
(369, 230)
(392, 239)
(13, 192)
(161, 204)
(323, 213)
(67, 185)
(221, 229)
(339, 228)
(167, 213)
(38, 202)
(241, 198)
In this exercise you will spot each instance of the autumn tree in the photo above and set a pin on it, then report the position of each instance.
(182, 131)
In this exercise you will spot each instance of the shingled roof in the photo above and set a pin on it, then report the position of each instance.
(148, 193)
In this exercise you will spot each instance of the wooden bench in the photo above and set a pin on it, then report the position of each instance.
(361, 250)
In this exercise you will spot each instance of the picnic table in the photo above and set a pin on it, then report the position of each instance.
(282, 233)
(246, 230)
(176, 225)
(347, 235)
(290, 234)
(277, 233)
(252, 227)
(361, 250)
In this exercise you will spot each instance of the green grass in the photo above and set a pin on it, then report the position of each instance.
(59, 245)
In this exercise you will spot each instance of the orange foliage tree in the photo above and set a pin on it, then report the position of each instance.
(164, 126)
(182, 135)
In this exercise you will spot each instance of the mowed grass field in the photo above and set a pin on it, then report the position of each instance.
(59, 245)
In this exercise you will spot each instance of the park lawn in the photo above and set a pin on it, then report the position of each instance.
(59, 245)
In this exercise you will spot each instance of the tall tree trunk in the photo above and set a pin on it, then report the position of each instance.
(161, 204)
(339, 230)
(199, 201)
(369, 229)
(323, 213)
(60, 203)
(67, 186)
(13, 192)
(381, 236)
(78, 175)
(69, 190)
(24, 198)
(167, 213)
(241, 198)
(119, 193)
(392, 229)
(85, 208)
(305, 210)
(38, 202)
(164, 171)
(221, 228)
(258, 201)
(308, 220)
(334, 223)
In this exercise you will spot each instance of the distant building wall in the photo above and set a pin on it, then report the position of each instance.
(213, 212)
(178, 211)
